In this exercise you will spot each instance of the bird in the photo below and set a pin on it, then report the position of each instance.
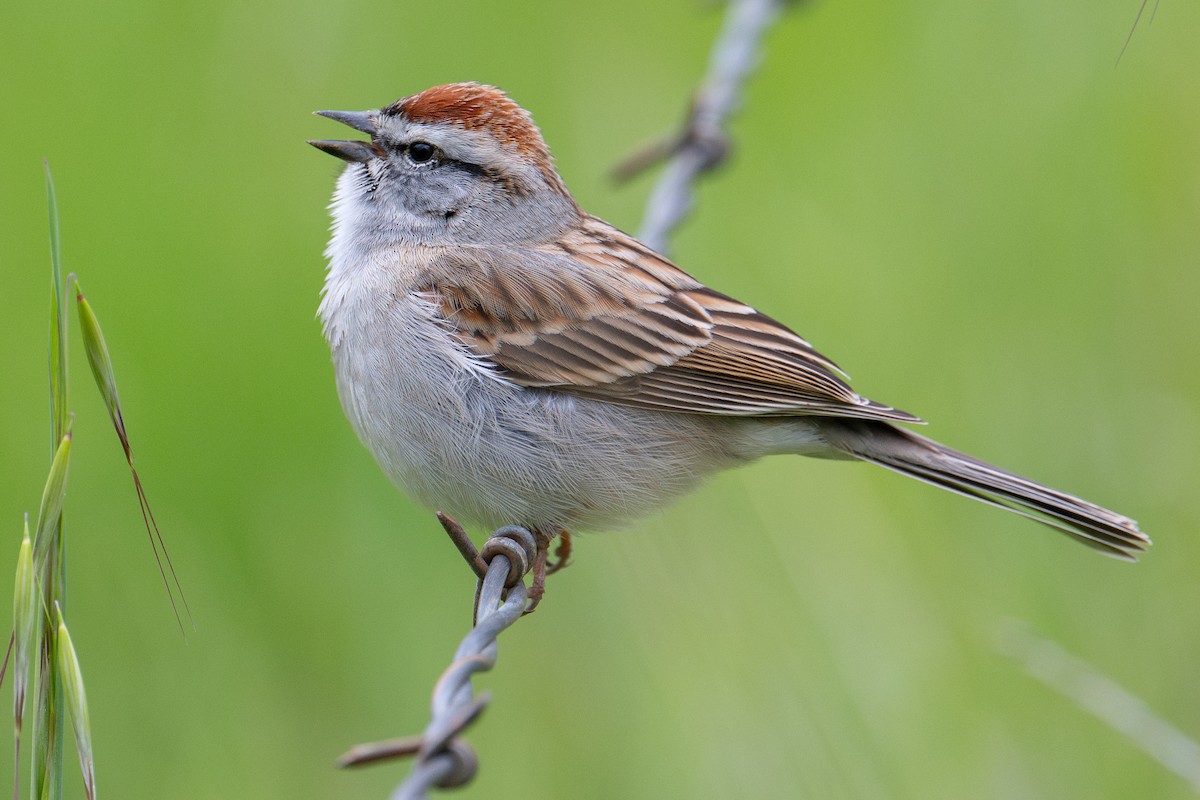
(512, 359)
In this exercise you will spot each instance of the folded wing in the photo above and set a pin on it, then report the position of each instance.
(600, 315)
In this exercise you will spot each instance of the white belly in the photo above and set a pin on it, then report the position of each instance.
(461, 440)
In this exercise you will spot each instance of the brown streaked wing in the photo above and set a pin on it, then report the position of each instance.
(601, 315)
(552, 320)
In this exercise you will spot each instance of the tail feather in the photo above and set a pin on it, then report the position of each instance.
(926, 460)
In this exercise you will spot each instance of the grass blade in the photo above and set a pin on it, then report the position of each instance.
(72, 681)
(23, 644)
(58, 321)
(25, 608)
(53, 495)
(100, 362)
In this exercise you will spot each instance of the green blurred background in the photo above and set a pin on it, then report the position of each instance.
(965, 204)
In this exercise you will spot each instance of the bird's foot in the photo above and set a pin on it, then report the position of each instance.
(542, 566)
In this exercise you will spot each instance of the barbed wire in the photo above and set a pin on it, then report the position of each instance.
(703, 144)
(443, 759)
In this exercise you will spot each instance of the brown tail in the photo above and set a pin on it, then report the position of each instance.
(924, 459)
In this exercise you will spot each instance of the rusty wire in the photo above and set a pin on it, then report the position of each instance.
(443, 759)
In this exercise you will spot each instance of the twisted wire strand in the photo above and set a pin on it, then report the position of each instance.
(703, 144)
(443, 760)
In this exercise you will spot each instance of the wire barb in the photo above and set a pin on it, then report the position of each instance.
(443, 760)
(703, 142)
(463, 542)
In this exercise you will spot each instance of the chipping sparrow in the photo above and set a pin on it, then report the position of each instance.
(508, 357)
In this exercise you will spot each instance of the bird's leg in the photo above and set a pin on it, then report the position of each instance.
(562, 553)
(538, 587)
(540, 570)
(542, 566)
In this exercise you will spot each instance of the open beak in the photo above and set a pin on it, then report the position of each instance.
(349, 150)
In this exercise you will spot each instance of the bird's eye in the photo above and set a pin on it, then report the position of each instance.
(421, 152)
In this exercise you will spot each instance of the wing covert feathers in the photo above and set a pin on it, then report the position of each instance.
(599, 314)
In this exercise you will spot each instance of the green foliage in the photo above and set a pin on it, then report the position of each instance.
(40, 583)
(76, 702)
(25, 616)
